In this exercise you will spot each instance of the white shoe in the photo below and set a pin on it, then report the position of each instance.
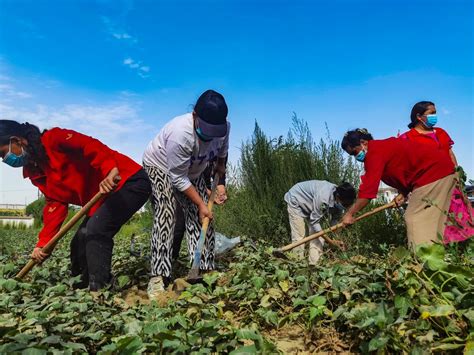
(156, 285)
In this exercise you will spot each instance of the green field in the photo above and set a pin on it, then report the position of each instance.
(256, 303)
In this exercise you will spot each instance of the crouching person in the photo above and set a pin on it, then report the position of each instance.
(311, 202)
(70, 168)
(175, 162)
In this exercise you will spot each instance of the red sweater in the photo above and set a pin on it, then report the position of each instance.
(403, 164)
(439, 138)
(76, 165)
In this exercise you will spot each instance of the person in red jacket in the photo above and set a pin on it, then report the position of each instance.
(428, 175)
(423, 120)
(70, 168)
(423, 130)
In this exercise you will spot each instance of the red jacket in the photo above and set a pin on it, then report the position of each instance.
(403, 164)
(76, 165)
(439, 139)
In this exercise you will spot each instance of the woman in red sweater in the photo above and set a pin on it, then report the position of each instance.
(70, 168)
(423, 130)
(428, 175)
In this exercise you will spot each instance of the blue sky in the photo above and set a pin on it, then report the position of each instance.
(119, 70)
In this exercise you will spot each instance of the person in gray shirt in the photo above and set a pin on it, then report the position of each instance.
(311, 201)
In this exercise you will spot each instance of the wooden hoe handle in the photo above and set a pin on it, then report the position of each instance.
(205, 224)
(48, 248)
(334, 228)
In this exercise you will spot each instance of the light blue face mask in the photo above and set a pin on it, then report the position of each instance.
(15, 161)
(360, 156)
(339, 206)
(431, 120)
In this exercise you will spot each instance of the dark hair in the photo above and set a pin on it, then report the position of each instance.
(418, 109)
(352, 138)
(211, 107)
(346, 193)
(31, 133)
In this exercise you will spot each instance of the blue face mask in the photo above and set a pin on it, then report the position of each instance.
(431, 120)
(15, 161)
(360, 156)
(202, 136)
(339, 206)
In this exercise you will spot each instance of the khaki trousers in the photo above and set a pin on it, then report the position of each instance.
(298, 232)
(426, 216)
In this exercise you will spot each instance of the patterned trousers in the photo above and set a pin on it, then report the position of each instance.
(164, 204)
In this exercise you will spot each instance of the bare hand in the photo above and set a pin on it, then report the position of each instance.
(399, 200)
(110, 182)
(204, 212)
(38, 255)
(348, 219)
(221, 195)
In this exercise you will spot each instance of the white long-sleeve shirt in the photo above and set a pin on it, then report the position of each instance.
(178, 150)
(310, 199)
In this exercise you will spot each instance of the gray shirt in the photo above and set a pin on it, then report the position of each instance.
(311, 199)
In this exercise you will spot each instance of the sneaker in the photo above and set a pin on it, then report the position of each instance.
(155, 286)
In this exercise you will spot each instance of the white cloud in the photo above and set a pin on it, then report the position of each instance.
(112, 121)
(127, 93)
(115, 31)
(122, 35)
(132, 64)
(8, 92)
(445, 111)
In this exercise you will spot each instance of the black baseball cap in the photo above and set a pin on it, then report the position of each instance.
(212, 111)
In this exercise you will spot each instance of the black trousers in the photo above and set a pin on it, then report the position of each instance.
(91, 246)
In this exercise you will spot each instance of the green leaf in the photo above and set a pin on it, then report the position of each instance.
(400, 253)
(469, 348)
(315, 312)
(470, 316)
(274, 293)
(124, 344)
(433, 256)
(211, 278)
(402, 304)
(282, 274)
(133, 327)
(440, 310)
(246, 333)
(122, 281)
(52, 339)
(317, 300)
(258, 282)
(8, 285)
(449, 346)
(284, 285)
(378, 342)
